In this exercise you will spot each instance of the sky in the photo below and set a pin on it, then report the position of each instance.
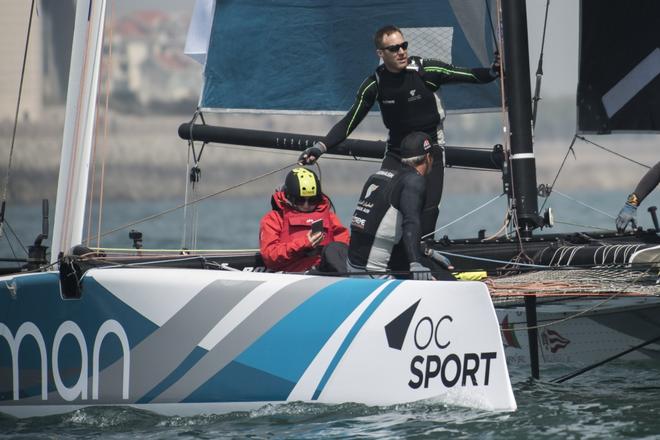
(560, 68)
(561, 46)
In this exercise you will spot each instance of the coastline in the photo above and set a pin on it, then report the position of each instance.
(146, 160)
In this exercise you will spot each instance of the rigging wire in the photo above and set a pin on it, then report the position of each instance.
(193, 174)
(430, 234)
(104, 149)
(76, 136)
(539, 70)
(192, 202)
(584, 204)
(16, 113)
(11, 248)
(92, 179)
(571, 149)
(492, 27)
(582, 138)
(561, 167)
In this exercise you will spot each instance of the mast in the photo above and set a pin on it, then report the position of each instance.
(523, 164)
(79, 119)
(519, 102)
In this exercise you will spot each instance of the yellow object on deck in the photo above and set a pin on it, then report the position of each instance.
(475, 275)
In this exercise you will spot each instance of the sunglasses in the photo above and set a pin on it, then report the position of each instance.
(395, 47)
(302, 201)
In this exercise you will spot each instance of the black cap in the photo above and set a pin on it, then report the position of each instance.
(415, 144)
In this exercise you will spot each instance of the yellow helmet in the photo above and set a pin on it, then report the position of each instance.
(301, 183)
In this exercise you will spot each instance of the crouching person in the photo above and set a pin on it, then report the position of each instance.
(386, 224)
(287, 238)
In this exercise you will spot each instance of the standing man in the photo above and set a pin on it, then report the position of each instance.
(405, 90)
(386, 226)
(627, 214)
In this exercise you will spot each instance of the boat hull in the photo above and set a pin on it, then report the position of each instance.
(579, 332)
(184, 341)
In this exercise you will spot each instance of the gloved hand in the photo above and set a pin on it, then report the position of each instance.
(439, 258)
(419, 272)
(626, 215)
(495, 67)
(311, 154)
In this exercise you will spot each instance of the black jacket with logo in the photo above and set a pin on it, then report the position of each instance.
(406, 99)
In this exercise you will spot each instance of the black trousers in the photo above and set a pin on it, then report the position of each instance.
(434, 182)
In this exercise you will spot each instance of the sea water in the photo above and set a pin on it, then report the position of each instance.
(233, 223)
(616, 400)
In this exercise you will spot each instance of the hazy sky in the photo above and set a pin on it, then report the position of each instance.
(560, 68)
(561, 46)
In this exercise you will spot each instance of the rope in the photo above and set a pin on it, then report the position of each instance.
(491, 260)
(76, 132)
(183, 205)
(104, 149)
(18, 106)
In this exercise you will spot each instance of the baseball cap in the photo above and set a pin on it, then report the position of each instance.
(415, 144)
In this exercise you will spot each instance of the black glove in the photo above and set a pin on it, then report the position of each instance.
(495, 67)
(311, 154)
(419, 272)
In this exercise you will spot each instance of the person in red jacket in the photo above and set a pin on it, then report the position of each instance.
(286, 240)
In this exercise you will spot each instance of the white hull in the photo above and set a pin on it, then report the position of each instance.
(185, 341)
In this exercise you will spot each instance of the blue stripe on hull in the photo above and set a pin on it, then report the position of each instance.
(241, 383)
(272, 366)
(351, 335)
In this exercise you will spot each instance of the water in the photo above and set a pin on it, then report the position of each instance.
(232, 223)
(618, 400)
(615, 401)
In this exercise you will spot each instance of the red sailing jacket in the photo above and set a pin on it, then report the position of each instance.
(283, 235)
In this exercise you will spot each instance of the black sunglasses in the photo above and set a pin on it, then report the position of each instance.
(315, 200)
(395, 47)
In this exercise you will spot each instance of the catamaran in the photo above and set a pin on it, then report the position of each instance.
(188, 332)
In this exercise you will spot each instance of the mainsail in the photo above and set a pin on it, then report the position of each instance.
(313, 54)
(619, 85)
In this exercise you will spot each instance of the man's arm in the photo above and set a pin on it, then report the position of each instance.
(436, 73)
(648, 182)
(364, 100)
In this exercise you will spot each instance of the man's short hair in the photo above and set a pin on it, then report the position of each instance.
(414, 161)
(385, 30)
